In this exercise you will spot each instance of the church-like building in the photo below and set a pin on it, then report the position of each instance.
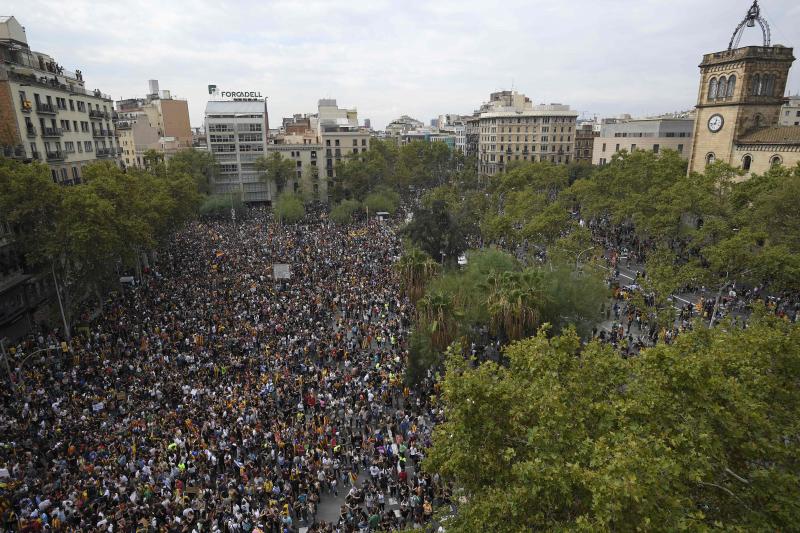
(739, 102)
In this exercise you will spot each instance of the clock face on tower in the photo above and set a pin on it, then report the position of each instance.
(715, 123)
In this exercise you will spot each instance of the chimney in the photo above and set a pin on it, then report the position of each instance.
(153, 86)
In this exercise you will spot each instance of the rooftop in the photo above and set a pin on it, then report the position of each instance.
(215, 106)
(772, 135)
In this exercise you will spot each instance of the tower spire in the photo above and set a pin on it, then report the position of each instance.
(753, 16)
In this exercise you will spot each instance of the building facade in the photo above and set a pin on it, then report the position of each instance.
(511, 128)
(237, 134)
(790, 112)
(157, 122)
(299, 143)
(339, 133)
(655, 134)
(739, 105)
(584, 142)
(46, 112)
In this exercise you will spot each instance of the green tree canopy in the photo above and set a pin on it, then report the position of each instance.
(289, 208)
(697, 435)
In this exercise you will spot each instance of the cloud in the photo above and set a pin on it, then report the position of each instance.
(388, 58)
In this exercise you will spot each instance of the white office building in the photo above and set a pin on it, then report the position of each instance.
(237, 136)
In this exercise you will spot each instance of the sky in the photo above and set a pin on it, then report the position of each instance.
(389, 58)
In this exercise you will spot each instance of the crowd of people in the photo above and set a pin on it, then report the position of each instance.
(212, 397)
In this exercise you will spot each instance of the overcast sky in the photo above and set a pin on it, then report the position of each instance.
(388, 58)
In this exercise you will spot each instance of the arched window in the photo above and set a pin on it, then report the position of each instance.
(756, 84)
(775, 160)
(758, 119)
(731, 85)
(710, 158)
(722, 87)
(746, 161)
(769, 85)
(712, 89)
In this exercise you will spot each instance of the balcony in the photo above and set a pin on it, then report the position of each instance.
(58, 155)
(52, 132)
(96, 113)
(98, 133)
(110, 134)
(31, 130)
(36, 155)
(105, 152)
(46, 109)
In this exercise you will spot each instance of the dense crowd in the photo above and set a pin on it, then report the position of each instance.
(211, 397)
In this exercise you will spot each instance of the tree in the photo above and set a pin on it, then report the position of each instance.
(276, 170)
(289, 208)
(415, 268)
(201, 166)
(437, 232)
(343, 213)
(695, 435)
(383, 200)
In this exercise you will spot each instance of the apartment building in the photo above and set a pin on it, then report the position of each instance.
(790, 112)
(299, 143)
(511, 128)
(46, 112)
(670, 131)
(157, 122)
(339, 133)
(584, 141)
(237, 134)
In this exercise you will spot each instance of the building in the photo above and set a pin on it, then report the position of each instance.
(237, 136)
(298, 142)
(46, 112)
(673, 132)
(584, 142)
(739, 105)
(472, 135)
(511, 128)
(339, 134)
(790, 112)
(455, 126)
(157, 122)
(402, 125)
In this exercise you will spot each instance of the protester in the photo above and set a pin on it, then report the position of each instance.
(212, 397)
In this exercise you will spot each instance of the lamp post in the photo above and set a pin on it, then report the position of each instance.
(578, 258)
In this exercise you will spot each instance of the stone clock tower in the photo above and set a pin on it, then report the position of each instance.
(741, 91)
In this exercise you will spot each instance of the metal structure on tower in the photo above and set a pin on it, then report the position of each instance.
(753, 16)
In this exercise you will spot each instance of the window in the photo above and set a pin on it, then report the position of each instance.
(604, 147)
(712, 88)
(364, 141)
(72, 108)
(336, 142)
(327, 142)
(680, 148)
(710, 158)
(768, 85)
(775, 160)
(355, 142)
(656, 148)
(731, 85)
(617, 148)
(755, 86)
(746, 161)
(633, 147)
(722, 87)
(75, 174)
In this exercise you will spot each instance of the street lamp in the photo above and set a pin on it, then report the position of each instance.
(578, 258)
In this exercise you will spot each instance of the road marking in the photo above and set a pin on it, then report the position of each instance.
(681, 299)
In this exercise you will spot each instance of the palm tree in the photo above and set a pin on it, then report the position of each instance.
(514, 301)
(436, 312)
(415, 268)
